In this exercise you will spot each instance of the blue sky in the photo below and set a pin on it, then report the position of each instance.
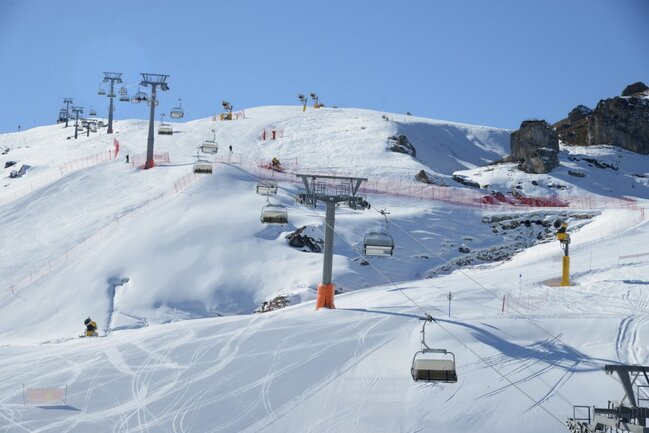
(486, 62)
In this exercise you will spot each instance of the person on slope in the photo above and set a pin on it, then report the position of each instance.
(275, 163)
(91, 328)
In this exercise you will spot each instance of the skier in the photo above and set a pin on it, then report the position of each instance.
(91, 328)
(275, 163)
(127, 158)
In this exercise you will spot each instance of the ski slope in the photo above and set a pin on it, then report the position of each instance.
(141, 256)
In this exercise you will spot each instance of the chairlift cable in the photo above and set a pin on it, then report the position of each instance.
(456, 338)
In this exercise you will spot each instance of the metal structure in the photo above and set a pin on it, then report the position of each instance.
(345, 191)
(165, 128)
(227, 107)
(67, 102)
(315, 98)
(112, 78)
(202, 166)
(432, 369)
(626, 415)
(273, 213)
(177, 112)
(379, 243)
(303, 99)
(76, 111)
(155, 81)
(266, 187)
(92, 112)
(210, 146)
(564, 238)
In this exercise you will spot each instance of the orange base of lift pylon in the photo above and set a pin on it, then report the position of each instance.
(325, 297)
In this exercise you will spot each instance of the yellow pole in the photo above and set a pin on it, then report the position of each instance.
(565, 274)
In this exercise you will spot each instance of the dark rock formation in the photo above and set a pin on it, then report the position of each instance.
(532, 135)
(634, 89)
(276, 303)
(540, 161)
(298, 239)
(622, 122)
(578, 113)
(423, 177)
(401, 144)
(464, 181)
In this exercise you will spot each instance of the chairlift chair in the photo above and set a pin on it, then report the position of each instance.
(379, 243)
(202, 166)
(273, 213)
(165, 129)
(92, 112)
(209, 146)
(266, 187)
(177, 112)
(110, 94)
(101, 91)
(429, 368)
(123, 97)
(123, 91)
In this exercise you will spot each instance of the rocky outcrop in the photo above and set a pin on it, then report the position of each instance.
(531, 136)
(578, 113)
(622, 122)
(423, 177)
(401, 144)
(635, 89)
(540, 161)
(300, 239)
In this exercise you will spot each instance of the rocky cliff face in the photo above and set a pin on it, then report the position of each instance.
(622, 122)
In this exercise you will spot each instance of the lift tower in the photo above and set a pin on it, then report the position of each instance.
(112, 78)
(344, 191)
(155, 81)
(76, 111)
(67, 102)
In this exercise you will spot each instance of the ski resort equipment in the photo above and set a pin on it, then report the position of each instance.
(379, 243)
(140, 96)
(564, 238)
(316, 188)
(303, 99)
(273, 213)
(202, 166)
(228, 108)
(266, 187)
(92, 112)
(112, 78)
(428, 367)
(123, 94)
(91, 328)
(177, 112)
(626, 415)
(101, 91)
(210, 146)
(164, 128)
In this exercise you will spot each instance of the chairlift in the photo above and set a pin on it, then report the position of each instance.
(123, 91)
(101, 91)
(273, 213)
(177, 112)
(266, 187)
(140, 96)
(62, 116)
(379, 243)
(92, 112)
(210, 146)
(123, 97)
(429, 368)
(202, 166)
(165, 129)
(110, 94)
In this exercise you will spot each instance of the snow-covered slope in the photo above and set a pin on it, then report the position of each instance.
(141, 248)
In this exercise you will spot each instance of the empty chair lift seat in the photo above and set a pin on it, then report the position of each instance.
(434, 370)
(165, 129)
(378, 244)
(266, 187)
(274, 214)
(203, 167)
(209, 146)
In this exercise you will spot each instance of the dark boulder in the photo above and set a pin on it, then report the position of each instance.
(423, 177)
(532, 135)
(401, 144)
(298, 239)
(578, 113)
